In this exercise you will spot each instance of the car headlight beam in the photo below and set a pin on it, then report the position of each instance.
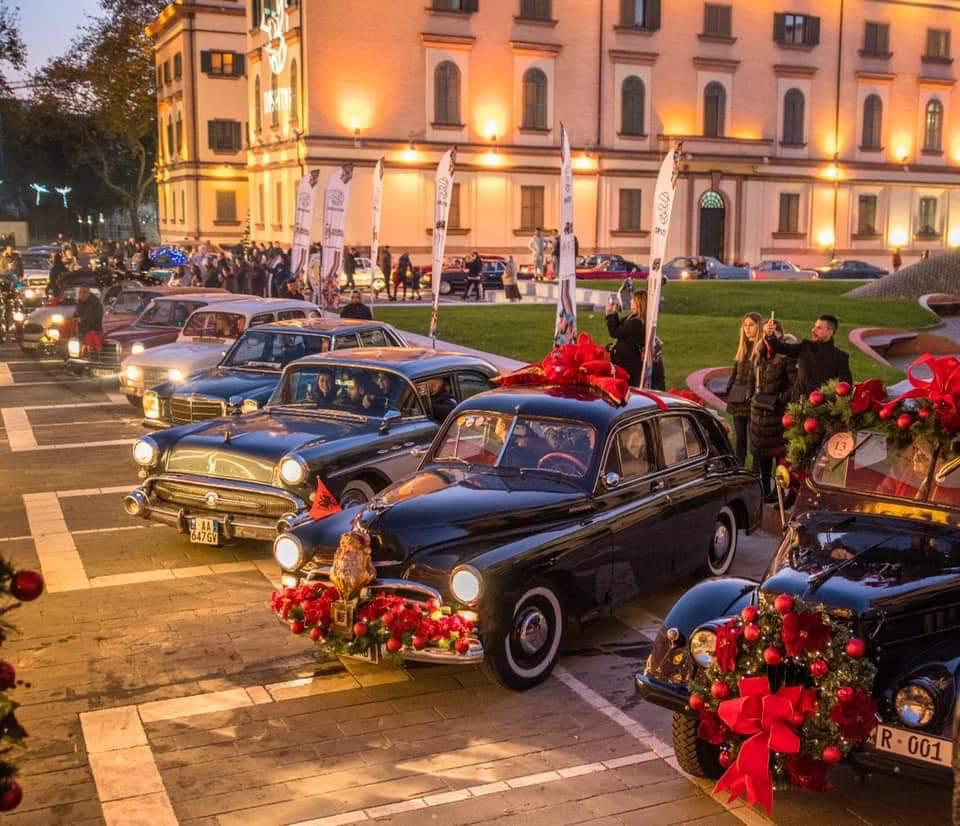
(53, 334)
(146, 452)
(56, 318)
(133, 373)
(916, 704)
(288, 552)
(151, 405)
(176, 375)
(137, 348)
(73, 348)
(703, 644)
(293, 470)
(465, 585)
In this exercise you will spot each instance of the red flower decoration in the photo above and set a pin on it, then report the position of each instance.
(804, 632)
(856, 718)
(807, 773)
(726, 648)
(868, 395)
(712, 729)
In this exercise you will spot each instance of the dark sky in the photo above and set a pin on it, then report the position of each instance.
(48, 26)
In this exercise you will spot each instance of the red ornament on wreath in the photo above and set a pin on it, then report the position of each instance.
(904, 421)
(816, 398)
(843, 388)
(924, 413)
(831, 755)
(788, 421)
(725, 758)
(844, 695)
(8, 676)
(696, 702)
(751, 632)
(316, 634)
(10, 797)
(886, 412)
(772, 656)
(819, 669)
(811, 425)
(719, 690)
(783, 603)
(856, 648)
(296, 627)
(394, 645)
(749, 614)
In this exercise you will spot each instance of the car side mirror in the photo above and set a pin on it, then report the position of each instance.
(611, 480)
(390, 418)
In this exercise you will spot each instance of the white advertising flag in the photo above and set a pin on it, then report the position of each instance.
(336, 199)
(662, 209)
(302, 224)
(375, 235)
(565, 328)
(441, 214)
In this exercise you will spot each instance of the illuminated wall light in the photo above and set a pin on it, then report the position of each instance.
(825, 237)
(898, 237)
(832, 172)
(903, 153)
(584, 163)
(410, 154)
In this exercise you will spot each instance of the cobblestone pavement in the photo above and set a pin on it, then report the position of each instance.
(162, 690)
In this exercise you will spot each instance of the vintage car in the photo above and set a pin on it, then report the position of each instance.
(204, 341)
(847, 268)
(537, 506)
(454, 279)
(780, 270)
(250, 371)
(36, 276)
(47, 329)
(874, 540)
(600, 267)
(703, 267)
(348, 419)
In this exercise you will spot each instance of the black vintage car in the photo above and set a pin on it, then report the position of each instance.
(349, 419)
(250, 371)
(535, 507)
(874, 539)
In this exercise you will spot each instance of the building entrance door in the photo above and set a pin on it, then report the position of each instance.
(713, 219)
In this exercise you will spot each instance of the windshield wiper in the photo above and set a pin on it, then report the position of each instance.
(819, 579)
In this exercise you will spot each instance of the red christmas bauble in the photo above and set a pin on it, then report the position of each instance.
(8, 676)
(816, 398)
(904, 420)
(772, 656)
(724, 758)
(811, 425)
(719, 690)
(788, 421)
(886, 412)
(360, 629)
(751, 632)
(750, 613)
(819, 669)
(419, 643)
(394, 645)
(783, 603)
(924, 412)
(831, 755)
(856, 648)
(10, 797)
(26, 586)
(316, 634)
(843, 388)
(844, 694)
(296, 627)
(462, 646)
(696, 702)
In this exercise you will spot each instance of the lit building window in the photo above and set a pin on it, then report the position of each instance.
(226, 207)
(275, 111)
(531, 208)
(872, 122)
(793, 106)
(534, 100)
(630, 219)
(789, 213)
(927, 219)
(796, 29)
(867, 215)
(933, 127)
(446, 94)
(632, 105)
(224, 135)
(714, 110)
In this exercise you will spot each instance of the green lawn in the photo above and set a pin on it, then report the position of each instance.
(698, 322)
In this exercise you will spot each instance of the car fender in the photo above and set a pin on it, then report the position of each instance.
(709, 600)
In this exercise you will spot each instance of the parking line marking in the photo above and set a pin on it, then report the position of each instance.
(14, 538)
(60, 562)
(19, 431)
(73, 445)
(13, 383)
(115, 399)
(6, 377)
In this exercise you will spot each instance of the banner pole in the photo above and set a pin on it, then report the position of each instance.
(375, 237)
(441, 214)
(565, 326)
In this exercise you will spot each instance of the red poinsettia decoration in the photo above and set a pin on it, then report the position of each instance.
(807, 773)
(868, 395)
(726, 646)
(804, 632)
(857, 718)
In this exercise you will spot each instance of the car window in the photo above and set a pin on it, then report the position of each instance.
(633, 448)
(472, 383)
(680, 442)
(345, 341)
(360, 390)
(262, 318)
(865, 462)
(373, 338)
(131, 301)
(259, 348)
(213, 324)
(284, 315)
(167, 314)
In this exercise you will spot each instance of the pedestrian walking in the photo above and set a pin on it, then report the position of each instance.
(57, 271)
(818, 358)
(386, 262)
(740, 387)
(401, 276)
(538, 248)
(474, 281)
(775, 375)
(350, 266)
(415, 283)
(630, 333)
(555, 254)
(510, 280)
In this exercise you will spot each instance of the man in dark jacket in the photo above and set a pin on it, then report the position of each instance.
(386, 265)
(474, 277)
(89, 317)
(818, 359)
(349, 266)
(356, 308)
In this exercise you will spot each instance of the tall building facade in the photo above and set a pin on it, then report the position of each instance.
(814, 128)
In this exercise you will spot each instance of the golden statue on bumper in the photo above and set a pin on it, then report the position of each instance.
(352, 570)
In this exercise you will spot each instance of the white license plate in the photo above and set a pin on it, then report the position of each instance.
(204, 532)
(371, 655)
(936, 750)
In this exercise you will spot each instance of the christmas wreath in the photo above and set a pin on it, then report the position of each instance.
(929, 411)
(391, 621)
(789, 692)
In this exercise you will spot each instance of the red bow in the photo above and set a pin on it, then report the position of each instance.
(942, 391)
(770, 718)
(575, 365)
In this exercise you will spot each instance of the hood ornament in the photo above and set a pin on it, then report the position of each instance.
(227, 435)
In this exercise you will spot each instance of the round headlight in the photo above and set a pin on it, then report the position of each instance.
(292, 470)
(703, 644)
(56, 318)
(17, 315)
(73, 348)
(915, 705)
(146, 452)
(175, 375)
(151, 405)
(133, 373)
(249, 406)
(137, 348)
(465, 585)
(288, 552)
(53, 334)
(28, 293)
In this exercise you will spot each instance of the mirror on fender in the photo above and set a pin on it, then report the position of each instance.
(390, 418)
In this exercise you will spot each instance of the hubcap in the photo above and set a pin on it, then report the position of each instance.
(721, 541)
(532, 631)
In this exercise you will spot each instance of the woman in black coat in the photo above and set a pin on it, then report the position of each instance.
(775, 376)
(630, 333)
(740, 387)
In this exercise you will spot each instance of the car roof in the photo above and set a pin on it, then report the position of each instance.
(577, 403)
(324, 325)
(413, 362)
(252, 305)
(162, 291)
(211, 297)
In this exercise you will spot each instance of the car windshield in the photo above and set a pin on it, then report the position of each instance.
(166, 314)
(213, 324)
(130, 302)
(518, 442)
(330, 388)
(71, 295)
(265, 349)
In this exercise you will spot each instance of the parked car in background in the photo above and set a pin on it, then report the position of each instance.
(348, 419)
(47, 329)
(36, 276)
(847, 268)
(692, 268)
(779, 270)
(365, 273)
(250, 371)
(609, 266)
(203, 341)
(454, 280)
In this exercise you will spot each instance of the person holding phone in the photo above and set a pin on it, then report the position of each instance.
(630, 333)
(740, 387)
(818, 358)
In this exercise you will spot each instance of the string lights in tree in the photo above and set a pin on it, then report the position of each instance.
(40, 189)
(64, 191)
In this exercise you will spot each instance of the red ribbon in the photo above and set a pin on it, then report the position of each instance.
(942, 391)
(770, 719)
(584, 364)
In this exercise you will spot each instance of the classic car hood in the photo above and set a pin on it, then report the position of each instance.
(128, 335)
(452, 505)
(249, 447)
(42, 315)
(191, 354)
(225, 382)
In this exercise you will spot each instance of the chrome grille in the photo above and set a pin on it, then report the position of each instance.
(33, 329)
(187, 410)
(194, 496)
(109, 356)
(153, 376)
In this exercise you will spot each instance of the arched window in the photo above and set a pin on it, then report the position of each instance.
(294, 95)
(872, 122)
(180, 134)
(933, 127)
(534, 99)
(714, 110)
(793, 106)
(257, 117)
(446, 94)
(274, 102)
(632, 105)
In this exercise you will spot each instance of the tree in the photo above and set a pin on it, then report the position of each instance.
(107, 80)
(13, 52)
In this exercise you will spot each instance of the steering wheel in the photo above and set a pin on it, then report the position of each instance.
(559, 458)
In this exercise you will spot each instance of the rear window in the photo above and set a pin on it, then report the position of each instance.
(212, 324)
(866, 463)
(681, 441)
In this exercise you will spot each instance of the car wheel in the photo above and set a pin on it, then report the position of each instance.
(525, 655)
(356, 493)
(695, 756)
(445, 288)
(723, 543)
(136, 402)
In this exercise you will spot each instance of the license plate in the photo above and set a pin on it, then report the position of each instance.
(103, 372)
(371, 655)
(204, 532)
(936, 750)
